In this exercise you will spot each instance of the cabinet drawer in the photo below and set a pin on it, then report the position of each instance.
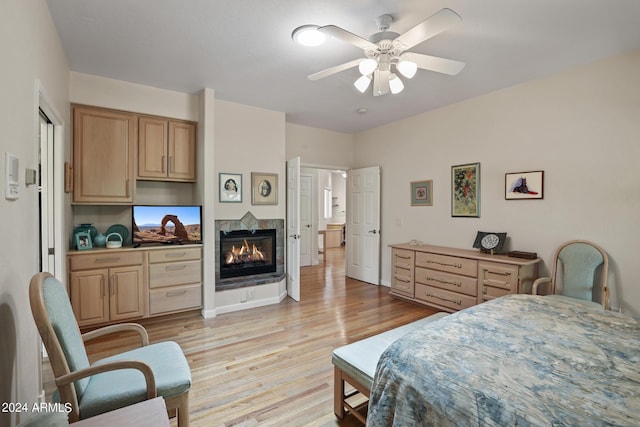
(402, 282)
(402, 258)
(174, 273)
(498, 276)
(489, 292)
(174, 298)
(105, 259)
(444, 298)
(170, 255)
(448, 281)
(447, 263)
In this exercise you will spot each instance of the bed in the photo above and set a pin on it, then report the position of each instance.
(517, 360)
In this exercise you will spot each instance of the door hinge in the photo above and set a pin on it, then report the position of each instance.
(52, 251)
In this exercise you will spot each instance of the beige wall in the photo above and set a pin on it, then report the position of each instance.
(31, 52)
(580, 127)
(320, 147)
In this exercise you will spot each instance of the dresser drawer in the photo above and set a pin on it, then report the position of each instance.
(402, 258)
(447, 281)
(170, 255)
(444, 298)
(489, 292)
(105, 259)
(498, 275)
(175, 298)
(402, 283)
(174, 273)
(467, 267)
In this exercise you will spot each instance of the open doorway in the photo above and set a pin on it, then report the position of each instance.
(324, 222)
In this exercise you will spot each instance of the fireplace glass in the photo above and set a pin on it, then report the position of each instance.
(247, 252)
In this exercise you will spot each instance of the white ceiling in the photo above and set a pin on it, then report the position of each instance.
(243, 50)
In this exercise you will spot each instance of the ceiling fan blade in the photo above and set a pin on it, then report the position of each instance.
(432, 26)
(348, 37)
(434, 63)
(380, 82)
(333, 70)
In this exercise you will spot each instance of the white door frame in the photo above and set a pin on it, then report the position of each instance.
(293, 228)
(308, 225)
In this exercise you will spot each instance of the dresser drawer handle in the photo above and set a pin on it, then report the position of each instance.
(403, 256)
(176, 293)
(175, 254)
(445, 282)
(175, 267)
(111, 259)
(402, 280)
(444, 264)
(455, 301)
(501, 273)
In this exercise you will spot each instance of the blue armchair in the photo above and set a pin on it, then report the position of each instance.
(111, 383)
(574, 273)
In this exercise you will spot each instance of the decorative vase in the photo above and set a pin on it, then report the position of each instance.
(100, 240)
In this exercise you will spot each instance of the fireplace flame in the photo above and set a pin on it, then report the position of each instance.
(244, 253)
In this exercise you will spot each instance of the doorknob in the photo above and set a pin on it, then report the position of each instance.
(373, 231)
(308, 225)
(295, 236)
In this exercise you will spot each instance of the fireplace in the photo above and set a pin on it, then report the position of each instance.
(247, 252)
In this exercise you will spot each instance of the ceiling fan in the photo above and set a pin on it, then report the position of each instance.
(387, 50)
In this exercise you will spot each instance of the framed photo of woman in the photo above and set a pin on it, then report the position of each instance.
(264, 188)
(230, 187)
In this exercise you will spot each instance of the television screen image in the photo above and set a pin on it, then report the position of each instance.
(167, 224)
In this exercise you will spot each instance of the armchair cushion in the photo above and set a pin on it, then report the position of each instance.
(116, 389)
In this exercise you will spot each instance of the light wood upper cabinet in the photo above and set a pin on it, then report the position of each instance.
(166, 150)
(103, 156)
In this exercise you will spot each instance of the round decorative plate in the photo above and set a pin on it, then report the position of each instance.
(93, 232)
(122, 230)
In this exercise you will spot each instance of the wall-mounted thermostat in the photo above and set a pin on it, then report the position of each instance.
(11, 166)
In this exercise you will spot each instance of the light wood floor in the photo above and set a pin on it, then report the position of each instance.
(271, 366)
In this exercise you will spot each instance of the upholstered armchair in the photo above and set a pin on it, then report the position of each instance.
(114, 382)
(574, 273)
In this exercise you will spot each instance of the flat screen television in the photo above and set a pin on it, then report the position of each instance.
(180, 224)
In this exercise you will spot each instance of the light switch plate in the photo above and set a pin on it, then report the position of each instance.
(11, 184)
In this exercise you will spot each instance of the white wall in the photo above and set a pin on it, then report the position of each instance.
(319, 147)
(581, 127)
(31, 51)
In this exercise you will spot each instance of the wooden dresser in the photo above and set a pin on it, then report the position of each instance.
(452, 279)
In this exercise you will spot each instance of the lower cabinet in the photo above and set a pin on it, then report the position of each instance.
(113, 285)
(452, 279)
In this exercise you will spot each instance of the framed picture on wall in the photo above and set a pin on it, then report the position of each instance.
(264, 188)
(230, 187)
(422, 193)
(524, 185)
(465, 190)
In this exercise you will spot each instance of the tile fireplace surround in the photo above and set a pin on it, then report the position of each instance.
(250, 222)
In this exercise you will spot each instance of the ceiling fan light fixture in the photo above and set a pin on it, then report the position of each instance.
(367, 66)
(308, 35)
(362, 83)
(395, 84)
(407, 68)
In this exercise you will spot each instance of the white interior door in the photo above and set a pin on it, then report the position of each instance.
(363, 224)
(293, 228)
(306, 220)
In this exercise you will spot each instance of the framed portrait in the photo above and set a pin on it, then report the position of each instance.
(465, 190)
(422, 193)
(230, 187)
(524, 185)
(264, 188)
(83, 240)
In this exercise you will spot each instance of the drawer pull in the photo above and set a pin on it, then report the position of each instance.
(455, 301)
(176, 293)
(403, 256)
(175, 267)
(444, 282)
(501, 273)
(402, 280)
(444, 264)
(110, 259)
(175, 254)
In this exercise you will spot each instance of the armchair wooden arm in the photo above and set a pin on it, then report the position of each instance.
(538, 282)
(68, 391)
(112, 329)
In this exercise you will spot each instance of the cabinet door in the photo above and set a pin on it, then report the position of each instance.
(152, 148)
(103, 153)
(89, 296)
(126, 293)
(182, 151)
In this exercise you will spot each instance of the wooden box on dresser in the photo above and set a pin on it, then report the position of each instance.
(113, 285)
(452, 279)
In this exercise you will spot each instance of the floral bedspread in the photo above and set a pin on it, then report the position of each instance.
(519, 360)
